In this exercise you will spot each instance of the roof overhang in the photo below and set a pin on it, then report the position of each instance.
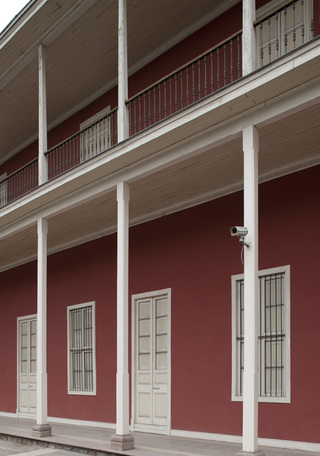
(81, 41)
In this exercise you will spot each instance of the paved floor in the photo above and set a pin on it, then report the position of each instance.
(10, 447)
(96, 442)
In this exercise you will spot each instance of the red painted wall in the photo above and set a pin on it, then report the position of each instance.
(291, 203)
(87, 273)
(18, 288)
(316, 13)
(193, 253)
(19, 160)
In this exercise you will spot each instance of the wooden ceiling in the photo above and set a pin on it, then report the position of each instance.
(81, 41)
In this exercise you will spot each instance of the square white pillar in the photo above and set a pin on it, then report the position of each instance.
(248, 37)
(42, 428)
(251, 301)
(122, 441)
(123, 114)
(43, 141)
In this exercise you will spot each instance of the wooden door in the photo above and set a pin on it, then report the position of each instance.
(27, 365)
(152, 333)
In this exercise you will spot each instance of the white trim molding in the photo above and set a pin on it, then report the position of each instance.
(228, 438)
(95, 118)
(8, 415)
(73, 422)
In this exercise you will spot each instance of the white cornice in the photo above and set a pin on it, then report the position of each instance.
(19, 21)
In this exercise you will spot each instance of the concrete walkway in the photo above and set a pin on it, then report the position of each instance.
(96, 442)
(10, 448)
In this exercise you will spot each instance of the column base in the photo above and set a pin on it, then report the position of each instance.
(42, 430)
(250, 453)
(122, 442)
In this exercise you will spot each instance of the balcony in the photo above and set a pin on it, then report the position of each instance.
(278, 33)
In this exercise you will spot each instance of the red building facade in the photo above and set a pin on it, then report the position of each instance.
(185, 173)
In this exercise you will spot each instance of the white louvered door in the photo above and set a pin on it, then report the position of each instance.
(152, 361)
(27, 365)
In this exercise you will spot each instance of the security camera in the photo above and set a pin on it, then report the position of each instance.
(240, 232)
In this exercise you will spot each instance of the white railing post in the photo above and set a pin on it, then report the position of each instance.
(251, 302)
(42, 428)
(123, 114)
(43, 141)
(122, 440)
(248, 37)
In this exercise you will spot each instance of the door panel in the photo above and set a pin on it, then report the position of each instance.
(152, 361)
(27, 362)
(160, 408)
(144, 361)
(160, 361)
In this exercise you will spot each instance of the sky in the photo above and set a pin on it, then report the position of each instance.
(9, 9)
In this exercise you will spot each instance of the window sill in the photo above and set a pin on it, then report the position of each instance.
(82, 393)
(271, 400)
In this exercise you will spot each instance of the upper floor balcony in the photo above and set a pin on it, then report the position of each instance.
(173, 65)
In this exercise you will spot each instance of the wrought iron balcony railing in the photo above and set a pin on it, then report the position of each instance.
(199, 78)
(19, 183)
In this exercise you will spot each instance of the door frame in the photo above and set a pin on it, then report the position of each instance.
(134, 298)
(19, 319)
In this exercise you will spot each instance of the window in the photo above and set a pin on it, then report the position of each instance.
(95, 136)
(284, 30)
(81, 349)
(273, 335)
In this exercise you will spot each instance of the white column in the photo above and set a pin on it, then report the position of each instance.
(122, 441)
(250, 377)
(43, 142)
(42, 428)
(248, 36)
(123, 115)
